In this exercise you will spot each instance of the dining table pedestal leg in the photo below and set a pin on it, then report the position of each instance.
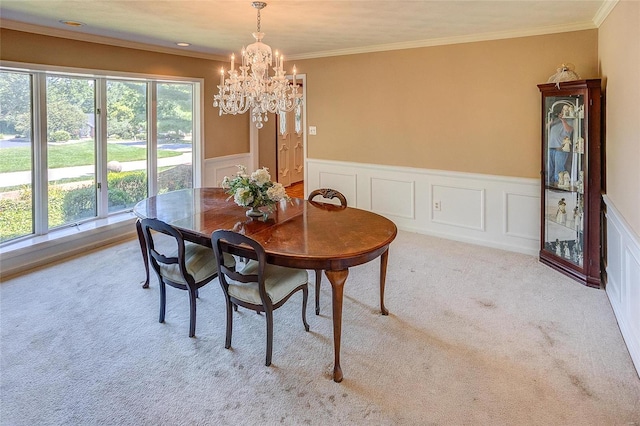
(383, 276)
(337, 280)
(145, 255)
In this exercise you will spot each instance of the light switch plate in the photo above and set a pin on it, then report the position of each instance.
(312, 130)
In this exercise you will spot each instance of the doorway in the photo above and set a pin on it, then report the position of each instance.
(281, 147)
(290, 147)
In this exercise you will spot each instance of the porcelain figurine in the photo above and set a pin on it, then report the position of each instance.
(561, 214)
(576, 219)
(564, 180)
(580, 183)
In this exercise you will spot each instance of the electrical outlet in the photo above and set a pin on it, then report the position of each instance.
(312, 130)
(436, 205)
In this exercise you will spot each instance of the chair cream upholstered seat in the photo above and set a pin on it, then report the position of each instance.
(279, 283)
(200, 263)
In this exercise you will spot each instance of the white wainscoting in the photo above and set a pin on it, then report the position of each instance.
(215, 169)
(495, 211)
(622, 264)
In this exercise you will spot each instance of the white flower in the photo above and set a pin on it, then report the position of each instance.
(242, 170)
(243, 196)
(261, 176)
(276, 192)
(226, 183)
(255, 190)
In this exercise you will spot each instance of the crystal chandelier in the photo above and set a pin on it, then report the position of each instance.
(251, 87)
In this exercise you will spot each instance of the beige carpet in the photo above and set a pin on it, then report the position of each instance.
(476, 336)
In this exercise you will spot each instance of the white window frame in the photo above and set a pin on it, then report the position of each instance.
(39, 73)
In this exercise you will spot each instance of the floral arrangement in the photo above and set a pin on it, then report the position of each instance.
(254, 190)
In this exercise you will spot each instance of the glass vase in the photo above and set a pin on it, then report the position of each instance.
(254, 212)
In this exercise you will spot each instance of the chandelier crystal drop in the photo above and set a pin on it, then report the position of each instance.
(251, 87)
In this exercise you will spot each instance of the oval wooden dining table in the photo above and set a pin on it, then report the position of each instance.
(298, 234)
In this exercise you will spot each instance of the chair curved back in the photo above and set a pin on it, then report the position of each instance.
(189, 267)
(219, 239)
(258, 285)
(159, 258)
(329, 194)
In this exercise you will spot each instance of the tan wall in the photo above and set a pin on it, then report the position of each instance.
(222, 135)
(470, 107)
(619, 51)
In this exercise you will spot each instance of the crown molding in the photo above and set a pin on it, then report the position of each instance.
(604, 11)
(62, 33)
(448, 40)
(92, 38)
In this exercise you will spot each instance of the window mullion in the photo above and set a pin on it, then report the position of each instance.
(40, 163)
(198, 132)
(101, 147)
(152, 143)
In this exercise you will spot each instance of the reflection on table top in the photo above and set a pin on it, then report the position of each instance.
(298, 233)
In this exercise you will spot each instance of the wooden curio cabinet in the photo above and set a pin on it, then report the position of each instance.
(570, 234)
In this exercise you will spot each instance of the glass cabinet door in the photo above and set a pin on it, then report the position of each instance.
(564, 176)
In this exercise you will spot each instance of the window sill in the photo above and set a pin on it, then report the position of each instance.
(30, 252)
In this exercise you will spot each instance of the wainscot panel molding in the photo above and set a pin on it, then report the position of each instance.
(392, 197)
(215, 169)
(464, 207)
(622, 266)
(494, 211)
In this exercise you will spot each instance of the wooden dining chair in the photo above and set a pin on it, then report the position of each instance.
(180, 264)
(328, 194)
(258, 285)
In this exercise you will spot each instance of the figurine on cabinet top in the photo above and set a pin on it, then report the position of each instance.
(564, 72)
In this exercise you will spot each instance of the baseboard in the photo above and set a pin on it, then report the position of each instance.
(622, 266)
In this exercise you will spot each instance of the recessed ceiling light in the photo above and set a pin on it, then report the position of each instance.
(183, 44)
(72, 23)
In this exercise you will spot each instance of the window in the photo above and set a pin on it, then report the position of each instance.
(127, 146)
(75, 148)
(175, 132)
(71, 150)
(16, 155)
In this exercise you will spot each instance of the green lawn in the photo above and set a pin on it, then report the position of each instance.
(72, 154)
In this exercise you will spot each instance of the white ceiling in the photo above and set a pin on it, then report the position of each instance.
(300, 28)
